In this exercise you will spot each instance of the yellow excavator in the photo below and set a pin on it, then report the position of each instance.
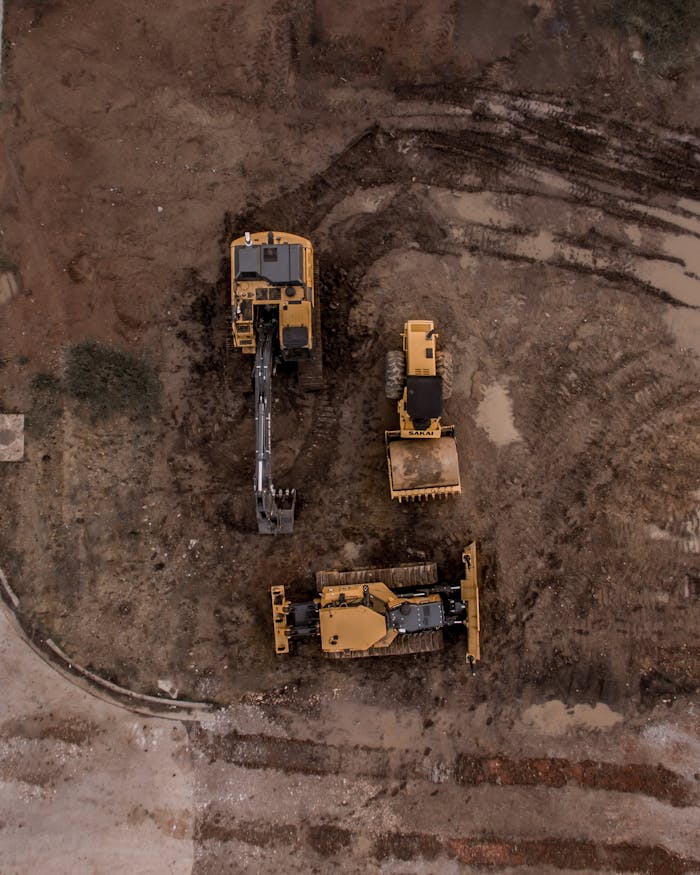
(275, 316)
(382, 611)
(421, 453)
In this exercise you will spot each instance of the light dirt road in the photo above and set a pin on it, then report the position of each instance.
(86, 786)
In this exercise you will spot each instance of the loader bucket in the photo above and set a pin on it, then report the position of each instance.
(422, 467)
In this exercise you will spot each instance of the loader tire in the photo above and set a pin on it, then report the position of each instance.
(394, 374)
(444, 369)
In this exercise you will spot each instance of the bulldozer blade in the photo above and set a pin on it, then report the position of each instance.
(422, 467)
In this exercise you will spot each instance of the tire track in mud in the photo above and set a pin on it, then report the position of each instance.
(408, 154)
(291, 755)
(566, 855)
(387, 824)
(494, 852)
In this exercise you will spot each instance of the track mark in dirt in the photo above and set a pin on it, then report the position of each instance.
(655, 781)
(313, 758)
(493, 852)
(570, 854)
(73, 731)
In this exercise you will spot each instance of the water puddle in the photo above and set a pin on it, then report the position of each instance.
(495, 415)
(669, 277)
(685, 325)
(556, 718)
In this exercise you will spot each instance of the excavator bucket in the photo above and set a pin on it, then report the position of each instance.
(422, 467)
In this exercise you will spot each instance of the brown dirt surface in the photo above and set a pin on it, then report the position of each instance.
(524, 174)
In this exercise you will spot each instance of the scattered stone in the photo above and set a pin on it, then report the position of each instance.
(11, 437)
(80, 268)
(165, 685)
(9, 287)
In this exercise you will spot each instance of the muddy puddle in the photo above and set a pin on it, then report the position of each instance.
(495, 415)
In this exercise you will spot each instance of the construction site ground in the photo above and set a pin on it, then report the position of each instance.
(527, 176)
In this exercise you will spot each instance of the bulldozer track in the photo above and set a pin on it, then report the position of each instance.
(403, 645)
(396, 577)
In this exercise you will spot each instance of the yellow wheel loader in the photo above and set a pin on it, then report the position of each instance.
(421, 453)
(275, 316)
(382, 611)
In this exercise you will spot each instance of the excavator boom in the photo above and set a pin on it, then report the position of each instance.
(274, 507)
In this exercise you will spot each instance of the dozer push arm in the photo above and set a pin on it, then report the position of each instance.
(274, 508)
(470, 597)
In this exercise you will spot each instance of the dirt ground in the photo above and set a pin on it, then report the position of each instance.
(528, 176)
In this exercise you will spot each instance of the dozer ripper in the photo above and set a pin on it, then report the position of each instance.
(275, 316)
(382, 611)
(422, 453)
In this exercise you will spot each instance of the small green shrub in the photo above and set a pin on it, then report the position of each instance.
(109, 381)
(47, 404)
(44, 382)
(666, 27)
(7, 264)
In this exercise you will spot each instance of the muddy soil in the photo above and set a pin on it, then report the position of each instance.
(522, 178)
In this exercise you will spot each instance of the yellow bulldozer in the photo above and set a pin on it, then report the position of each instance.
(382, 611)
(275, 316)
(421, 453)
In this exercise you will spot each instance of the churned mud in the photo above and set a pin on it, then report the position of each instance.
(528, 178)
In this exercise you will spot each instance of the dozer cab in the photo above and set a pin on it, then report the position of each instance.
(421, 453)
(382, 611)
(275, 316)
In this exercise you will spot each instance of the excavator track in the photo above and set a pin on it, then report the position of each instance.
(403, 645)
(311, 372)
(397, 577)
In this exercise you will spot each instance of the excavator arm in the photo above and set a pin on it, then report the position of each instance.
(274, 508)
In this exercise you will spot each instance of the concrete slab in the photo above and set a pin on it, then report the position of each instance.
(11, 437)
(86, 786)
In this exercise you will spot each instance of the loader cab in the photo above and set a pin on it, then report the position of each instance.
(423, 400)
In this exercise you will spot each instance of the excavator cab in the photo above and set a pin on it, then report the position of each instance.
(275, 316)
